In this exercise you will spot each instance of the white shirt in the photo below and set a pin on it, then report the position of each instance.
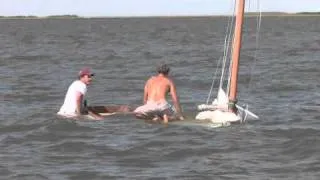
(70, 102)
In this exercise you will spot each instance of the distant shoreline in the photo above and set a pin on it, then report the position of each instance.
(249, 14)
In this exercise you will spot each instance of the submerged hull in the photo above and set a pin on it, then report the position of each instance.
(199, 123)
(103, 111)
(218, 116)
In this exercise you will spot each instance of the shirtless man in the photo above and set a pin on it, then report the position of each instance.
(154, 99)
(74, 104)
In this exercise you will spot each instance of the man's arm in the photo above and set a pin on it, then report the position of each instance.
(79, 97)
(175, 99)
(145, 94)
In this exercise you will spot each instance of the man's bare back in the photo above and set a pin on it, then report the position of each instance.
(157, 88)
(155, 92)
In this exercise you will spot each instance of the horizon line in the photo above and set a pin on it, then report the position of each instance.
(173, 15)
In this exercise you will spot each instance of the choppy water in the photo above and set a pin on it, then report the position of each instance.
(40, 58)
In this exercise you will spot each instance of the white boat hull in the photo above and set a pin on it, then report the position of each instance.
(218, 116)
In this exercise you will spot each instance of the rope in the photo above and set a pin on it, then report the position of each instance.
(227, 47)
(258, 28)
(225, 54)
(253, 64)
(212, 84)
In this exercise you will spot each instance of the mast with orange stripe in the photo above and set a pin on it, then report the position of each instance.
(236, 55)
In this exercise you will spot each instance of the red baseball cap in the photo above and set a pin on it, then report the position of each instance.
(85, 71)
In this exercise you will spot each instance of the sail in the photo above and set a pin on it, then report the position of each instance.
(222, 98)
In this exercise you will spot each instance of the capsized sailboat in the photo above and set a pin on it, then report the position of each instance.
(224, 109)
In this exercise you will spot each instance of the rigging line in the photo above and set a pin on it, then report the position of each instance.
(228, 43)
(259, 20)
(226, 51)
(230, 67)
(215, 74)
(214, 77)
(225, 54)
(232, 44)
(258, 28)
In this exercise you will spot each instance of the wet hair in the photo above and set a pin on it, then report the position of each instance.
(163, 69)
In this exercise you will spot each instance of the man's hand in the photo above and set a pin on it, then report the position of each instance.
(181, 118)
(98, 117)
(95, 116)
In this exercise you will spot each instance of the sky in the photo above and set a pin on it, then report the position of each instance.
(90, 8)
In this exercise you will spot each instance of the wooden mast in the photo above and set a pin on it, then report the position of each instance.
(236, 54)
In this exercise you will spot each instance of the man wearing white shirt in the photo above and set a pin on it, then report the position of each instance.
(74, 100)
